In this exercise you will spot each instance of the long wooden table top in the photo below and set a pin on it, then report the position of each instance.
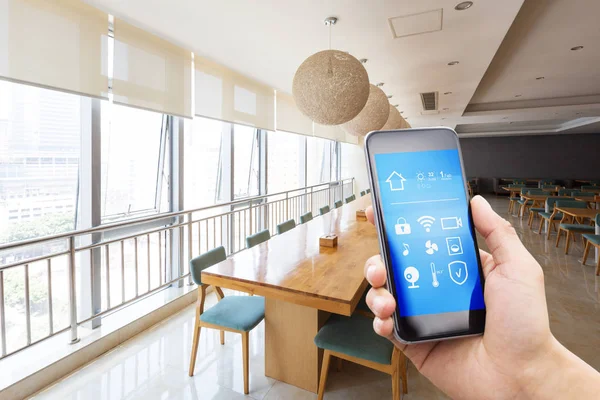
(578, 212)
(293, 267)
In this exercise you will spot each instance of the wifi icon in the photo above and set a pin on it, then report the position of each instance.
(426, 222)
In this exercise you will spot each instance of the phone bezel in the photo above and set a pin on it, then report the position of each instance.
(430, 326)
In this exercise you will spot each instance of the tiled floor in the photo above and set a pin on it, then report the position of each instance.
(154, 364)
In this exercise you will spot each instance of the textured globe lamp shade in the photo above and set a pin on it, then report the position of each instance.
(395, 120)
(373, 116)
(331, 87)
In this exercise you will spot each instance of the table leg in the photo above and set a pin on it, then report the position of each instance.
(290, 352)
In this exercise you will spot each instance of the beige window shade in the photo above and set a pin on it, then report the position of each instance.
(151, 73)
(334, 132)
(56, 44)
(223, 94)
(290, 118)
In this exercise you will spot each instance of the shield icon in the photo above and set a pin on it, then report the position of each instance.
(458, 272)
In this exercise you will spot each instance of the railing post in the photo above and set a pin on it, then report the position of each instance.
(287, 206)
(189, 218)
(72, 291)
(250, 218)
(2, 317)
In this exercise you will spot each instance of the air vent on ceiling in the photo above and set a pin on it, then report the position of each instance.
(430, 103)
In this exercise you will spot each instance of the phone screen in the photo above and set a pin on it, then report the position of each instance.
(432, 251)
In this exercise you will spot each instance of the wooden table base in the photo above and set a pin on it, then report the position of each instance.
(290, 352)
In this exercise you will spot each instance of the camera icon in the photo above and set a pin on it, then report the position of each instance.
(411, 274)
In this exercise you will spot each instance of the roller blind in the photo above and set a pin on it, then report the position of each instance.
(150, 72)
(58, 44)
(290, 118)
(334, 132)
(226, 95)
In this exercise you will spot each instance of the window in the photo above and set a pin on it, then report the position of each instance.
(202, 161)
(38, 129)
(132, 167)
(246, 161)
(318, 160)
(285, 161)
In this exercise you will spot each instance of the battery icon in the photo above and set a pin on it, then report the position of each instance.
(451, 223)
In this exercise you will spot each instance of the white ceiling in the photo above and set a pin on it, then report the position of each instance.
(268, 40)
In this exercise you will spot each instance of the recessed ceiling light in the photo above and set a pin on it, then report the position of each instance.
(447, 93)
(518, 95)
(401, 112)
(465, 5)
(505, 118)
(576, 48)
(539, 78)
(443, 119)
(380, 84)
(363, 60)
(446, 109)
(390, 96)
(453, 63)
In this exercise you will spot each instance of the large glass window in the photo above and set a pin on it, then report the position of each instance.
(40, 132)
(202, 161)
(133, 144)
(285, 161)
(318, 160)
(246, 161)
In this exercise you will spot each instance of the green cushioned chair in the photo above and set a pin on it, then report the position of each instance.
(519, 182)
(533, 211)
(592, 240)
(257, 238)
(324, 210)
(571, 228)
(286, 226)
(350, 198)
(337, 204)
(551, 217)
(353, 339)
(238, 314)
(594, 183)
(565, 192)
(362, 193)
(588, 187)
(306, 217)
(579, 193)
(514, 200)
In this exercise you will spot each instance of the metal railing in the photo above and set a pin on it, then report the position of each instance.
(58, 283)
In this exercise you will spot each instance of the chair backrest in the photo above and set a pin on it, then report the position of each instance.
(306, 217)
(592, 187)
(550, 201)
(324, 210)
(597, 219)
(286, 226)
(571, 204)
(535, 191)
(519, 181)
(258, 238)
(368, 190)
(549, 186)
(203, 261)
(513, 185)
(547, 182)
(337, 204)
(565, 192)
(350, 198)
(579, 193)
(362, 193)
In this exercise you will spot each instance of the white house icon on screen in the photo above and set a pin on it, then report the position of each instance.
(396, 181)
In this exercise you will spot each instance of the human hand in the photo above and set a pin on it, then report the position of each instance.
(517, 354)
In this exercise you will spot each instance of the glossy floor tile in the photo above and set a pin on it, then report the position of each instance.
(153, 365)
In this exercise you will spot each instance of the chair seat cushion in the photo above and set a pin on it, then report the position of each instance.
(537, 209)
(241, 313)
(577, 227)
(354, 336)
(547, 215)
(595, 239)
(515, 198)
(523, 201)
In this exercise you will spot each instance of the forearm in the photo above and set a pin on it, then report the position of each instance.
(561, 374)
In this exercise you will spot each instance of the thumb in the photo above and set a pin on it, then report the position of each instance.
(499, 235)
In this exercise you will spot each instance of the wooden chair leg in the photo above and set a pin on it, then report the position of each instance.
(585, 252)
(324, 370)
(569, 234)
(530, 219)
(540, 227)
(396, 385)
(598, 267)
(194, 348)
(245, 355)
(403, 374)
(558, 236)
(222, 337)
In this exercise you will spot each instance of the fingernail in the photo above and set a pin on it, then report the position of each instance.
(377, 324)
(378, 304)
(370, 271)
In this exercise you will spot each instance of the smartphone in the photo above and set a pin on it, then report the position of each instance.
(426, 233)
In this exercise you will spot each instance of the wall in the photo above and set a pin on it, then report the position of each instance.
(354, 166)
(543, 156)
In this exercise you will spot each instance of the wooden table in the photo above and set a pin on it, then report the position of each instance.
(578, 214)
(302, 284)
(514, 191)
(595, 201)
(597, 190)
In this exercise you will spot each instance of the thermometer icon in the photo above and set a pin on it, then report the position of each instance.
(435, 282)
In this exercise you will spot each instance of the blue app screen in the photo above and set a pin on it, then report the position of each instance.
(428, 234)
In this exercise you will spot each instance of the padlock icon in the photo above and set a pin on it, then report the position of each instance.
(402, 227)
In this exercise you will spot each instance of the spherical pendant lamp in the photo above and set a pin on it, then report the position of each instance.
(331, 87)
(373, 116)
(395, 120)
